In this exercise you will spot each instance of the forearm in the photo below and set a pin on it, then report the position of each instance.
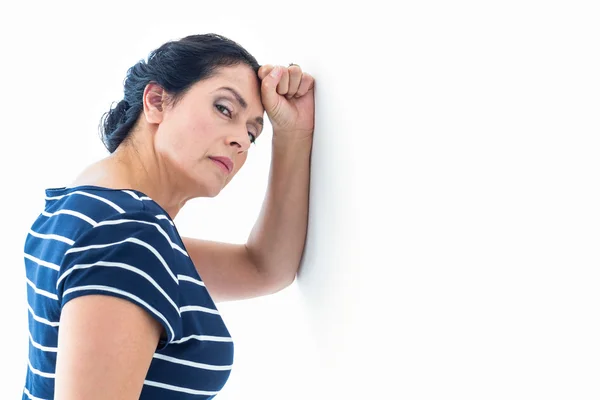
(277, 239)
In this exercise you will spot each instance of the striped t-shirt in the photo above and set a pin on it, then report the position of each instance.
(93, 240)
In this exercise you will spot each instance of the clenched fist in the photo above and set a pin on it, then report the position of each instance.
(288, 98)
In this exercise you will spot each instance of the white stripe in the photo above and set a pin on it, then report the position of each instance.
(124, 293)
(102, 199)
(179, 388)
(124, 266)
(31, 397)
(39, 346)
(132, 240)
(42, 262)
(52, 236)
(55, 197)
(204, 338)
(110, 203)
(135, 196)
(190, 279)
(40, 291)
(192, 363)
(40, 373)
(40, 319)
(157, 226)
(198, 308)
(161, 216)
(73, 213)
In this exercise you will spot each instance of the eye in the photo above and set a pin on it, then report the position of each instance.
(222, 109)
(252, 137)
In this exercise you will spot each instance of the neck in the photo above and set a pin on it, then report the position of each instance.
(136, 165)
(146, 172)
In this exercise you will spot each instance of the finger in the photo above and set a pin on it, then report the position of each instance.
(264, 71)
(268, 88)
(295, 78)
(307, 83)
(282, 88)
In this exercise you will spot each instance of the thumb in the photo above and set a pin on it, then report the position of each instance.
(270, 98)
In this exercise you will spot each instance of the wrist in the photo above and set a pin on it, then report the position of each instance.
(291, 150)
(292, 139)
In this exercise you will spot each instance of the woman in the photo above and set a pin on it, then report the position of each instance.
(122, 307)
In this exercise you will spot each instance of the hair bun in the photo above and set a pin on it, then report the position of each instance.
(122, 107)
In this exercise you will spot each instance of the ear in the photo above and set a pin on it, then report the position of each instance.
(153, 100)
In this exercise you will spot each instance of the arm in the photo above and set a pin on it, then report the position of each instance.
(105, 346)
(277, 240)
(269, 260)
(117, 296)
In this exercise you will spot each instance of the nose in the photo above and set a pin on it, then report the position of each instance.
(239, 139)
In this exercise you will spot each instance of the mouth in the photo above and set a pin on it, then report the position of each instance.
(224, 163)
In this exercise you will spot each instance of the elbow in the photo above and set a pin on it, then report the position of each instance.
(273, 276)
(277, 282)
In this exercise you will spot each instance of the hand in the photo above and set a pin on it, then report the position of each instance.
(288, 99)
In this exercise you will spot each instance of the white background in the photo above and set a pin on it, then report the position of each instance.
(453, 247)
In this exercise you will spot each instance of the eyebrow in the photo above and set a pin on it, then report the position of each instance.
(242, 102)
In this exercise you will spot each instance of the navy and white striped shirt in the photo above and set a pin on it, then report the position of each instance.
(93, 240)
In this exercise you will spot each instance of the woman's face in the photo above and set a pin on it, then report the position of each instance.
(217, 118)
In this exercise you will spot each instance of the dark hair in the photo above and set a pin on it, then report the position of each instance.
(175, 66)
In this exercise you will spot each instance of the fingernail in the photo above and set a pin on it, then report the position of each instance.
(276, 71)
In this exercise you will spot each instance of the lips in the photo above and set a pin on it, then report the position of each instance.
(225, 162)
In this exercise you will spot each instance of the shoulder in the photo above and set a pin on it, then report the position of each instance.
(109, 224)
(96, 202)
(84, 207)
(129, 230)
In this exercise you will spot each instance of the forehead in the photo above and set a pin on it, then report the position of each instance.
(242, 79)
(241, 74)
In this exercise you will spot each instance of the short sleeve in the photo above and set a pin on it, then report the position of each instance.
(128, 256)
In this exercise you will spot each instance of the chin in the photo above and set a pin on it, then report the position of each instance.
(213, 193)
(210, 190)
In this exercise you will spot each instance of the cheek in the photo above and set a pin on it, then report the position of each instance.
(240, 161)
(194, 131)
(185, 137)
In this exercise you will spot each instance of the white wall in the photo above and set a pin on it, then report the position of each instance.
(453, 239)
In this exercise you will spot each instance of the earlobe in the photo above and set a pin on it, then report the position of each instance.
(153, 103)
